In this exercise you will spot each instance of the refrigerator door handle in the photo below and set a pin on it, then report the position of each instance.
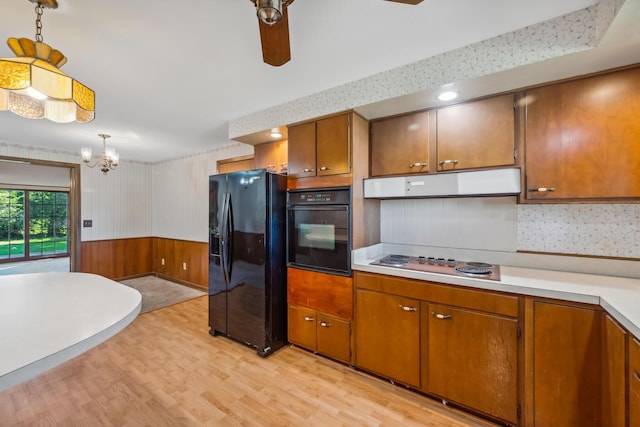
(224, 245)
(230, 242)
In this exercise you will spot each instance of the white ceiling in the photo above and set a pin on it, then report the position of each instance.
(169, 76)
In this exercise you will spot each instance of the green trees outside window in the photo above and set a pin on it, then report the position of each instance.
(48, 223)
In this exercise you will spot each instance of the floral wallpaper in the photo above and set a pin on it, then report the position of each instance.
(611, 230)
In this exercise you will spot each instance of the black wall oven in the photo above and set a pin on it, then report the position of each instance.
(319, 230)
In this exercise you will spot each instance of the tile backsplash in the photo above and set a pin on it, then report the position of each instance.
(487, 223)
(500, 224)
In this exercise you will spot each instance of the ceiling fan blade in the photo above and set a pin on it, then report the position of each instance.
(275, 41)
(407, 1)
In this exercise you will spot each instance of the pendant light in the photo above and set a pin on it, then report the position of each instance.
(109, 159)
(32, 85)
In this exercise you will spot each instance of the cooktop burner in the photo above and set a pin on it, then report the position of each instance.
(395, 260)
(441, 265)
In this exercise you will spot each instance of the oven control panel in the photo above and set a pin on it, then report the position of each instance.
(316, 197)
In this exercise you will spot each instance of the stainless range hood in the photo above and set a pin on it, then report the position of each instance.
(490, 182)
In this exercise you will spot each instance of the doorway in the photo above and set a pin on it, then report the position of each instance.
(39, 215)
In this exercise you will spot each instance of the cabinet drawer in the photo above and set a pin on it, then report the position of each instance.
(334, 337)
(506, 305)
(634, 382)
(302, 327)
(326, 293)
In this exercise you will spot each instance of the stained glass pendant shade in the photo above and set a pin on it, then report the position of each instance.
(32, 85)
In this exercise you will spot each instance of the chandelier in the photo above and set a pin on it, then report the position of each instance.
(108, 161)
(32, 85)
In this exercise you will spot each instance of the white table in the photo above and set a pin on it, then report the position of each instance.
(49, 318)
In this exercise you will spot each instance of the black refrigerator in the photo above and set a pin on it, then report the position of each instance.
(247, 251)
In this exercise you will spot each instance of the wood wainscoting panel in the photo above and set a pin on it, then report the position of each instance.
(117, 259)
(178, 254)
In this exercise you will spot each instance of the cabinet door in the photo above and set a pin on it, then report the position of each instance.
(302, 327)
(271, 156)
(634, 382)
(472, 360)
(334, 337)
(333, 145)
(388, 336)
(302, 150)
(567, 365)
(613, 374)
(476, 134)
(400, 145)
(582, 138)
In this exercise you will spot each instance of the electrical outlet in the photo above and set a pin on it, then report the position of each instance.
(87, 223)
(184, 265)
(162, 261)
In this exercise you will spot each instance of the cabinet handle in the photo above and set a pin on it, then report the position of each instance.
(308, 170)
(325, 168)
(417, 165)
(636, 375)
(407, 308)
(309, 319)
(441, 316)
(447, 162)
(325, 324)
(541, 190)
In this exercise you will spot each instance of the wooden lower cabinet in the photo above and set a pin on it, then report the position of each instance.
(302, 327)
(387, 334)
(566, 365)
(472, 359)
(613, 374)
(333, 336)
(634, 382)
(320, 332)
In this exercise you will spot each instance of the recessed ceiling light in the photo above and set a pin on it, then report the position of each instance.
(275, 133)
(448, 96)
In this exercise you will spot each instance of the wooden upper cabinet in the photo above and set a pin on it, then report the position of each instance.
(244, 163)
(320, 148)
(302, 150)
(271, 156)
(400, 145)
(476, 134)
(333, 145)
(583, 138)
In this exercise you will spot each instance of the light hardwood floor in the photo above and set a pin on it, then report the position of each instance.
(165, 369)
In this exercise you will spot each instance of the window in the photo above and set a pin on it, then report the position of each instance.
(48, 223)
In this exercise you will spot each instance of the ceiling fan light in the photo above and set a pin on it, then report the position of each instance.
(270, 11)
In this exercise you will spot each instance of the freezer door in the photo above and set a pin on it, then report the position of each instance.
(246, 289)
(217, 243)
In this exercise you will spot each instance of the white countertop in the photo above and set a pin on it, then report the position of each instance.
(49, 318)
(619, 296)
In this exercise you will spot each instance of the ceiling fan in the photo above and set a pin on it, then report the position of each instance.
(274, 29)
